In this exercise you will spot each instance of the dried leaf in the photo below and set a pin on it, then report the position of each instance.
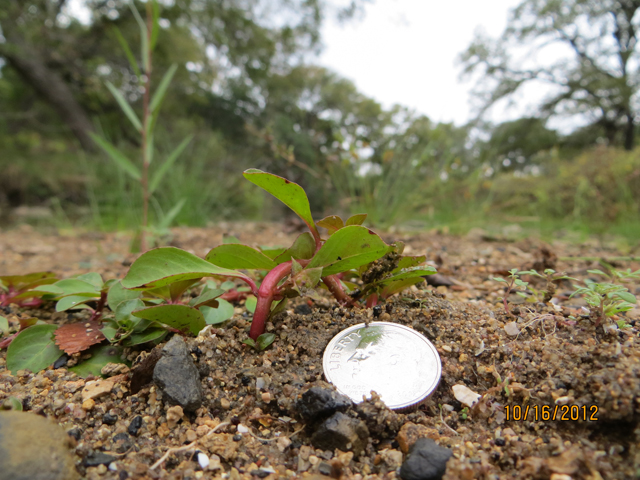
(76, 337)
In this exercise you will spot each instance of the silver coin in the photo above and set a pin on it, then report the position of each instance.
(393, 360)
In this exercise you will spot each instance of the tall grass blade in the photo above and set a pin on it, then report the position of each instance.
(117, 156)
(164, 168)
(124, 105)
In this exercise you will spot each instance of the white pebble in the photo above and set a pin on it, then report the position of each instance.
(242, 429)
(203, 460)
(465, 395)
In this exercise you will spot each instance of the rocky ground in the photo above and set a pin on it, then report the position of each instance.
(271, 414)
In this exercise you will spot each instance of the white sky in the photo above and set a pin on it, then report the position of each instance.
(405, 52)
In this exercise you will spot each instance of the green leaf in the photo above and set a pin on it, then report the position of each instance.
(251, 303)
(127, 51)
(164, 168)
(350, 247)
(289, 193)
(239, 256)
(76, 286)
(180, 317)
(167, 219)
(397, 286)
(597, 272)
(176, 289)
(206, 298)
(303, 248)
(357, 219)
(30, 280)
(272, 252)
(627, 297)
(150, 334)
(166, 265)
(73, 301)
(92, 278)
(213, 316)
(332, 223)
(124, 311)
(123, 162)
(33, 349)
(4, 325)
(100, 356)
(155, 30)
(250, 342)
(109, 330)
(161, 91)
(411, 272)
(124, 105)
(12, 403)
(264, 340)
(118, 294)
(144, 41)
(408, 262)
(229, 239)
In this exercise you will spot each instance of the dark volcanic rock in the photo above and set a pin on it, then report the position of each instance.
(343, 432)
(94, 459)
(177, 377)
(317, 403)
(426, 461)
(34, 448)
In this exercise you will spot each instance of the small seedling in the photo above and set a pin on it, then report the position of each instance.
(513, 282)
(605, 299)
(551, 276)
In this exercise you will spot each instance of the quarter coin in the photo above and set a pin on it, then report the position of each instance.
(393, 360)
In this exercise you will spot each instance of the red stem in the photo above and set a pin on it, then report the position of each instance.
(335, 287)
(265, 298)
(372, 300)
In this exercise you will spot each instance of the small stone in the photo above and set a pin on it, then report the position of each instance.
(392, 458)
(203, 460)
(426, 461)
(225, 404)
(318, 402)
(97, 458)
(101, 469)
(512, 329)
(282, 443)
(174, 415)
(135, 426)
(342, 432)
(191, 435)
(266, 397)
(465, 395)
(177, 377)
(410, 433)
(33, 447)
(113, 369)
(96, 388)
(109, 419)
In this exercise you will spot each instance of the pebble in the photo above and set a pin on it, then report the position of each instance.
(33, 447)
(88, 404)
(174, 415)
(317, 403)
(177, 377)
(426, 461)
(410, 433)
(96, 388)
(342, 432)
(135, 426)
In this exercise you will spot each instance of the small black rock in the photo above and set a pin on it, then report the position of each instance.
(135, 426)
(342, 432)
(93, 459)
(325, 469)
(109, 419)
(426, 461)
(500, 442)
(318, 402)
(303, 309)
(377, 310)
(260, 473)
(123, 475)
(61, 362)
(237, 437)
(75, 433)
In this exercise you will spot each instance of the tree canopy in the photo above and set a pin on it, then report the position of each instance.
(586, 50)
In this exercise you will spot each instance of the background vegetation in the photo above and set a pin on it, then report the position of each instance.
(247, 90)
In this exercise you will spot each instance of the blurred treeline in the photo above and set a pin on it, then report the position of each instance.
(248, 91)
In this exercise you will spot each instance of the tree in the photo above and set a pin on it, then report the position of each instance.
(231, 45)
(594, 68)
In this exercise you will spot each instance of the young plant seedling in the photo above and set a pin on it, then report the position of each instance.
(551, 277)
(311, 261)
(605, 300)
(513, 282)
(20, 289)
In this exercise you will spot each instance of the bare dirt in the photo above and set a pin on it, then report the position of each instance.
(251, 425)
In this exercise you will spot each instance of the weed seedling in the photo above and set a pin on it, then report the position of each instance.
(605, 299)
(513, 282)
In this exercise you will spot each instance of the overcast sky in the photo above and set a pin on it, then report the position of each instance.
(405, 51)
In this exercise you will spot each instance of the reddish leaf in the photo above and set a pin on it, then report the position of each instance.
(76, 337)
